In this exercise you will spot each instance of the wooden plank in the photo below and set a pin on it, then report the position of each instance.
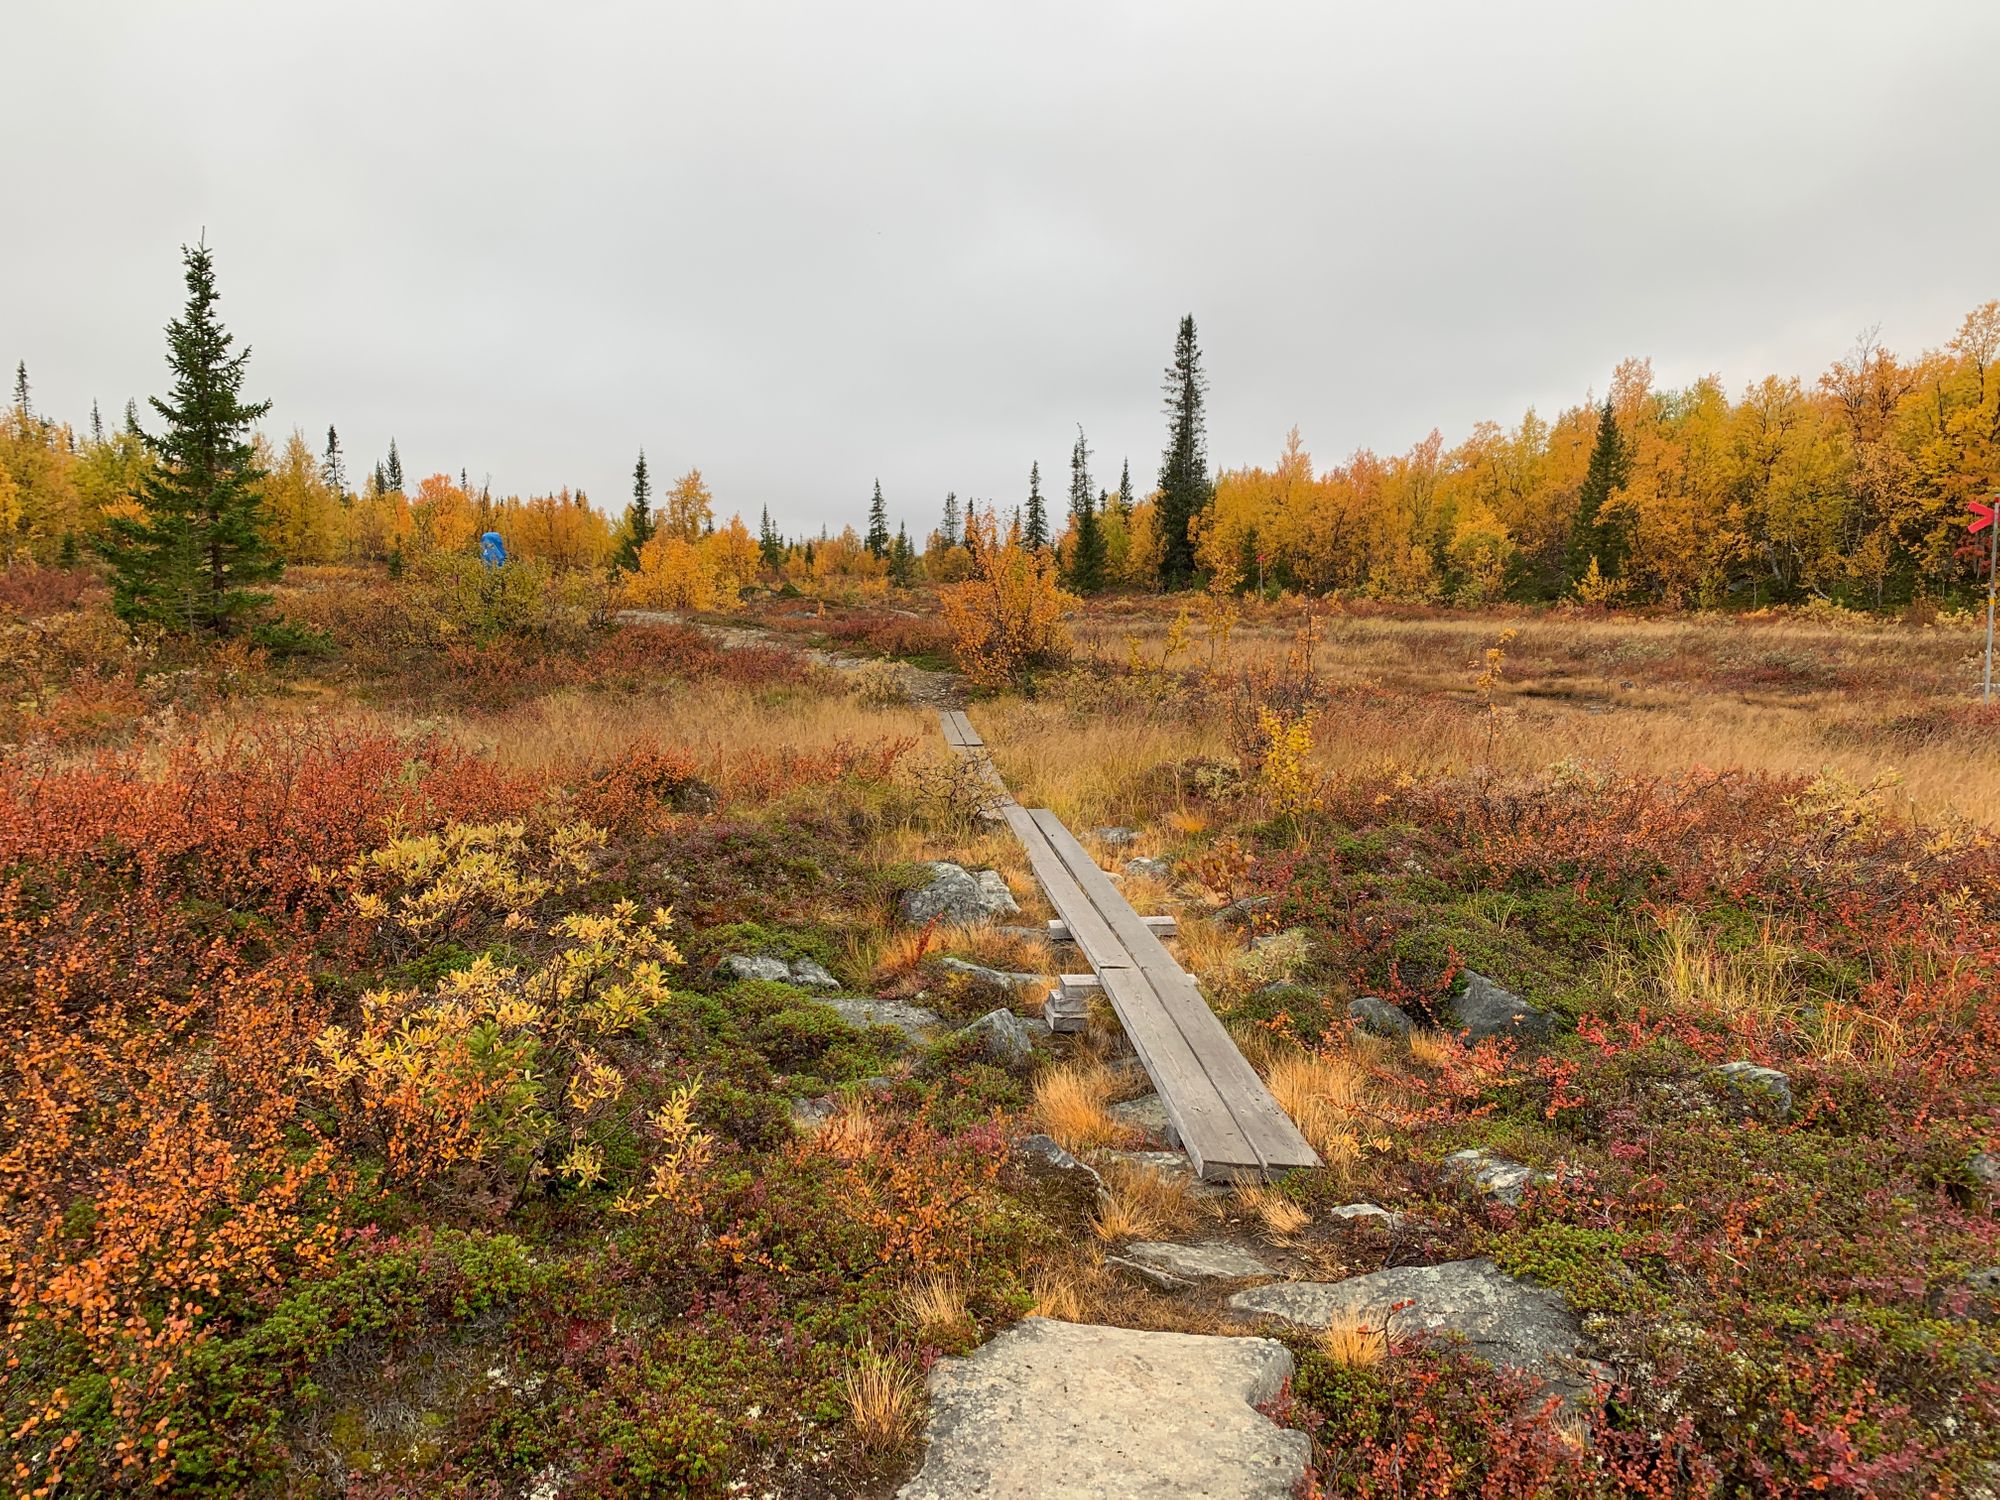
(1270, 1132)
(1164, 927)
(967, 735)
(949, 722)
(1200, 1115)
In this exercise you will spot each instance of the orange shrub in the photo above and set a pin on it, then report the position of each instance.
(1006, 621)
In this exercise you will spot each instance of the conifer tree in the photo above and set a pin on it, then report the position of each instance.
(1086, 568)
(189, 560)
(878, 525)
(333, 467)
(902, 558)
(1035, 529)
(639, 523)
(769, 543)
(1594, 535)
(132, 419)
(21, 389)
(1185, 491)
(1079, 477)
(96, 422)
(948, 532)
(392, 468)
(1125, 490)
(379, 482)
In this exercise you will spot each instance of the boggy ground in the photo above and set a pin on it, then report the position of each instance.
(370, 1129)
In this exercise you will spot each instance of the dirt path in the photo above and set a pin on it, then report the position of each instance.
(923, 687)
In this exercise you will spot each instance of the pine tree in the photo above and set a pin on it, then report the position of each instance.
(902, 558)
(1184, 485)
(333, 467)
(878, 524)
(1593, 535)
(378, 482)
(96, 422)
(1079, 477)
(1125, 491)
(948, 532)
(21, 405)
(769, 543)
(188, 560)
(639, 523)
(1086, 568)
(1035, 530)
(392, 468)
(132, 419)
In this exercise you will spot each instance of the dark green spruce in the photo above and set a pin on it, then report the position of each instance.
(639, 523)
(1595, 534)
(1035, 529)
(1184, 486)
(878, 525)
(191, 561)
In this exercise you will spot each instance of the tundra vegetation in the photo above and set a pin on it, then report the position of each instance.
(383, 1113)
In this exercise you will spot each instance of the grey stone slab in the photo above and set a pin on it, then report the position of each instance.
(1381, 1018)
(859, 1012)
(1484, 1009)
(1073, 1411)
(1493, 1175)
(1765, 1090)
(1210, 1260)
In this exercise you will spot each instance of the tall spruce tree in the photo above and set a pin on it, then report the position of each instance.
(21, 405)
(902, 558)
(96, 422)
(878, 525)
(132, 419)
(1079, 476)
(1593, 534)
(769, 543)
(1035, 529)
(188, 562)
(392, 468)
(639, 523)
(948, 532)
(1125, 491)
(1184, 485)
(333, 467)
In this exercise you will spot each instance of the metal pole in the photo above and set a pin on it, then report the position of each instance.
(1992, 573)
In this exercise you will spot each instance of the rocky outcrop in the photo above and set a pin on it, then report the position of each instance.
(1003, 1037)
(803, 972)
(1380, 1018)
(956, 894)
(1484, 1009)
(1492, 1175)
(861, 1013)
(1071, 1411)
(1765, 1090)
(1506, 1320)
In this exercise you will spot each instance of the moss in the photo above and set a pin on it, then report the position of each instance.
(1598, 1270)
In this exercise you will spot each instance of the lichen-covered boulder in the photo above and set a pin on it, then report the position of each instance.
(956, 894)
(1492, 1175)
(1484, 1010)
(1767, 1091)
(1380, 1018)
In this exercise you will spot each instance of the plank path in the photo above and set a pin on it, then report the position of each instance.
(1224, 1117)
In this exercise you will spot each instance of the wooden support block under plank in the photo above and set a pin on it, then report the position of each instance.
(1165, 927)
(1064, 1011)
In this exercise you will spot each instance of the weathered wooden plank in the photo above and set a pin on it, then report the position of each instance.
(1270, 1132)
(1164, 927)
(967, 735)
(1199, 1114)
(948, 721)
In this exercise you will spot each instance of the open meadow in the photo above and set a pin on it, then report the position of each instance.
(489, 1047)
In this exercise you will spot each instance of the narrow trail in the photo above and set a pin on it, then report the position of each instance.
(924, 686)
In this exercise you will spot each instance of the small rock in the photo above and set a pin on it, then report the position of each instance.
(1985, 1166)
(955, 894)
(1000, 979)
(1149, 867)
(1493, 1175)
(810, 1114)
(1115, 838)
(1211, 1260)
(1002, 1037)
(1507, 1321)
(1485, 1009)
(756, 966)
(1765, 1090)
(1358, 1212)
(1148, 1115)
(1045, 1148)
(1240, 912)
(1380, 1018)
(811, 975)
(1075, 1411)
(861, 1013)
(1157, 1277)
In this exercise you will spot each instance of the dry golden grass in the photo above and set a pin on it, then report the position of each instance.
(851, 1133)
(1433, 1048)
(1209, 951)
(935, 1307)
(1068, 1103)
(1140, 1203)
(1282, 1217)
(1322, 1092)
(1351, 1341)
(1084, 770)
(1066, 1290)
(883, 1399)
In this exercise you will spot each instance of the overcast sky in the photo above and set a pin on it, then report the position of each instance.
(805, 245)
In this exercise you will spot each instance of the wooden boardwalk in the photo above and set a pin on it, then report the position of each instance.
(1226, 1120)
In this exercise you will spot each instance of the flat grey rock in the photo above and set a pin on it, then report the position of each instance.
(1147, 1113)
(756, 966)
(1115, 838)
(1493, 1175)
(1046, 1149)
(1072, 1411)
(1485, 1009)
(1985, 1166)
(1507, 1321)
(1211, 1260)
(1166, 1163)
(956, 894)
(860, 1013)
(1002, 979)
(810, 1114)
(1765, 1090)
(1380, 1018)
(810, 974)
(1149, 867)
(1003, 1037)
(1364, 1213)
(1239, 913)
